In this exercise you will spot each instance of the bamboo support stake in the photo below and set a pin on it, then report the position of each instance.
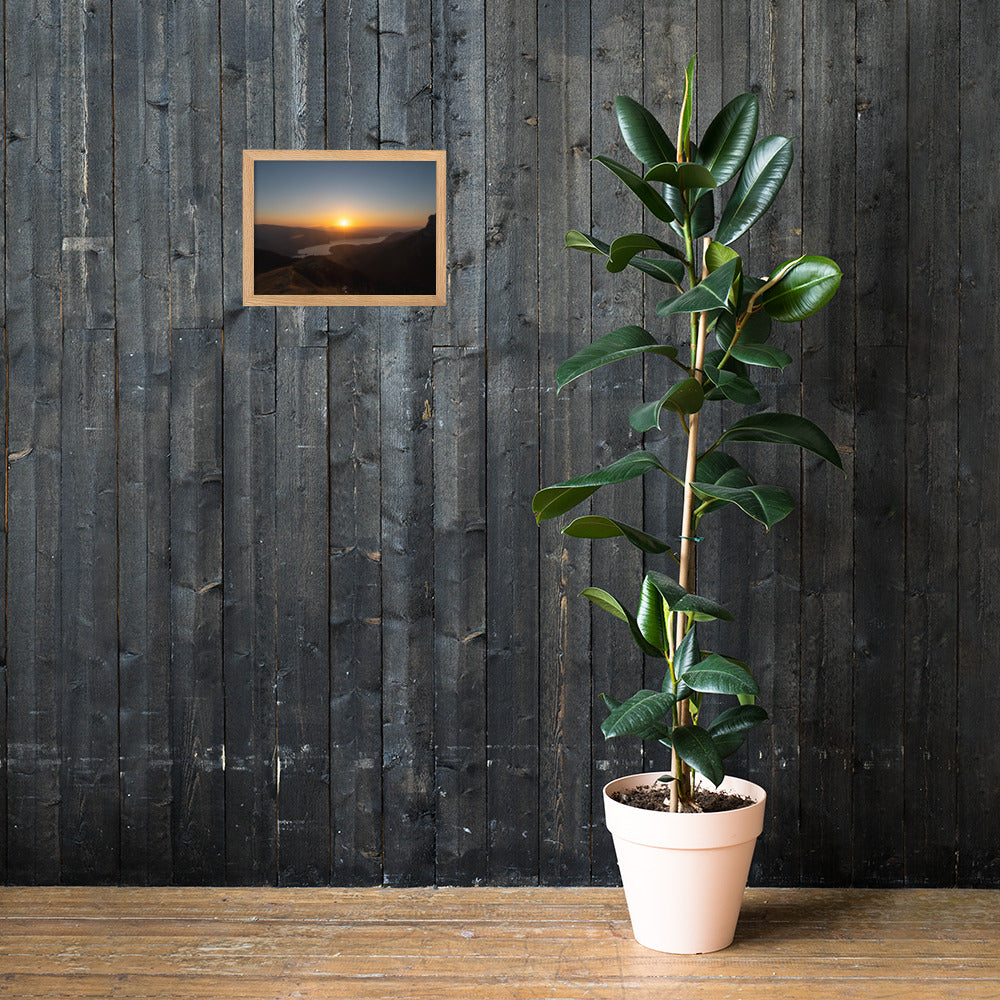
(686, 572)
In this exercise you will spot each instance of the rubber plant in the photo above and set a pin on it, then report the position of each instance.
(708, 294)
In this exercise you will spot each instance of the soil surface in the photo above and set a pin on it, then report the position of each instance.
(657, 798)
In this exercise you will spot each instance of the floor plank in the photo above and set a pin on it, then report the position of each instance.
(238, 944)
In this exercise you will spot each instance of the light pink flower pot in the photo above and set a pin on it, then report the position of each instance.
(684, 873)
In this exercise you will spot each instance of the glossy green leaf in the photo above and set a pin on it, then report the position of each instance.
(642, 133)
(684, 129)
(784, 428)
(687, 655)
(668, 271)
(764, 355)
(728, 745)
(712, 293)
(683, 397)
(555, 500)
(756, 330)
(608, 603)
(593, 526)
(641, 715)
(703, 216)
(732, 386)
(729, 138)
(686, 176)
(719, 675)
(718, 254)
(767, 504)
(737, 720)
(712, 467)
(651, 617)
(678, 599)
(643, 191)
(625, 342)
(695, 747)
(624, 248)
(803, 290)
(575, 240)
(763, 174)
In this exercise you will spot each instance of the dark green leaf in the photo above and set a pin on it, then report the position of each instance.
(803, 290)
(718, 675)
(703, 216)
(712, 293)
(642, 133)
(728, 139)
(684, 132)
(608, 603)
(625, 342)
(756, 330)
(624, 248)
(555, 500)
(643, 191)
(651, 617)
(767, 504)
(784, 428)
(760, 180)
(764, 355)
(576, 240)
(727, 745)
(687, 655)
(640, 716)
(593, 526)
(668, 271)
(695, 747)
(678, 599)
(737, 720)
(739, 390)
(684, 397)
(715, 465)
(686, 176)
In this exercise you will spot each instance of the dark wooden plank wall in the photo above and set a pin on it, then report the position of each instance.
(281, 564)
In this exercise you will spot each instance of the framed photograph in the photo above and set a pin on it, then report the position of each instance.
(343, 227)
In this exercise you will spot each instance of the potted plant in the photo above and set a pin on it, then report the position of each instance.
(685, 868)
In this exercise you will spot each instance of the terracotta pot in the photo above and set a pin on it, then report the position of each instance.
(684, 873)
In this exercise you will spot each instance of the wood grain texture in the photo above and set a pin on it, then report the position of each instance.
(407, 501)
(142, 335)
(34, 343)
(374, 943)
(459, 408)
(88, 781)
(197, 727)
(881, 315)
(512, 441)
(826, 713)
(323, 565)
(615, 300)
(979, 457)
(932, 370)
(248, 449)
(354, 363)
(564, 441)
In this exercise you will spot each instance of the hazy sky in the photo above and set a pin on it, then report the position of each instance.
(357, 193)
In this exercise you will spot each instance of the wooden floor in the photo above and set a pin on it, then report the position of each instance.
(473, 944)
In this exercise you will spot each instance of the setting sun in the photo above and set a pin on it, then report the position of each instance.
(343, 223)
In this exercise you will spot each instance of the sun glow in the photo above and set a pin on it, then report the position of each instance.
(343, 223)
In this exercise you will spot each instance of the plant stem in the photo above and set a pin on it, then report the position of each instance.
(686, 572)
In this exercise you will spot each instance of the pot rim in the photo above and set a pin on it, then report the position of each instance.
(653, 775)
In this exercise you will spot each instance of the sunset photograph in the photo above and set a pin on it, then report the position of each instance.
(348, 227)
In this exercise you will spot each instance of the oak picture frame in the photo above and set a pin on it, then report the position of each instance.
(251, 297)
